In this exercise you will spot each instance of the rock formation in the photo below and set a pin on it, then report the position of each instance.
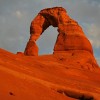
(70, 73)
(71, 36)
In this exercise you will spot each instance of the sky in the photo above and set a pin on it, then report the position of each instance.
(16, 16)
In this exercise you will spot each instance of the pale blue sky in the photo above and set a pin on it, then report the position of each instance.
(16, 16)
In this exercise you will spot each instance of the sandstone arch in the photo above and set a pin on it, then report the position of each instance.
(71, 36)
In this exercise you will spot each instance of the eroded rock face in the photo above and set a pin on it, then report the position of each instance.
(31, 49)
(71, 73)
(71, 36)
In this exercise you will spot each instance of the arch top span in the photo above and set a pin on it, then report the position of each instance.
(45, 18)
(70, 37)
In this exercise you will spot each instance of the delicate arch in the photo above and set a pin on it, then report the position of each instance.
(70, 37)
(45, 18)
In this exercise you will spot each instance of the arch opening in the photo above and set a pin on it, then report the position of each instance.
(47, 40)
(71, 35)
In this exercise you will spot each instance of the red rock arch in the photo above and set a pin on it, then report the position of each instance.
(71, 36)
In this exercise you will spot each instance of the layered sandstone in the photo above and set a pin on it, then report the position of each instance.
(31, 48)
(59, 76)
(71, 36)
(70, 73)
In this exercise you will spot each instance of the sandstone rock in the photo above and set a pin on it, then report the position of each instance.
(20, 53)
(49, 77)
(46, 17)
(71, 36)
(31, 49)
(70, 73)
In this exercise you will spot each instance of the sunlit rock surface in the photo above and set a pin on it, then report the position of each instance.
(70, 73)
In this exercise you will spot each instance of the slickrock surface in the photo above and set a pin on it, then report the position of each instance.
(48, 77)
(70, 73)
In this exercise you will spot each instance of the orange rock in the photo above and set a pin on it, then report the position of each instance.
(70, 73)
(31, 49)
(71, 36)
(46, 17)
(20, 53)
(62, 76)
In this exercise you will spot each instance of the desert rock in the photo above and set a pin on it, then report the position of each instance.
(31, 49)
(48, 77)
(70, 73)
(71, 36)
